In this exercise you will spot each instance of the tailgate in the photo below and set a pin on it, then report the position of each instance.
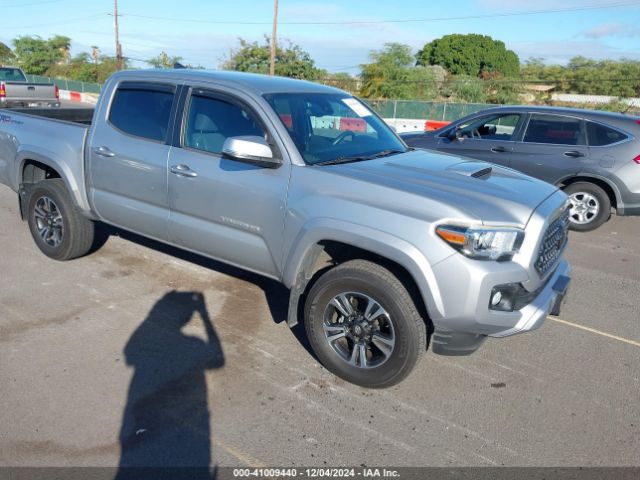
(30, 91)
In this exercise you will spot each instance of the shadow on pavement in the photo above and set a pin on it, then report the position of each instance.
(276, 294)
(166, 418)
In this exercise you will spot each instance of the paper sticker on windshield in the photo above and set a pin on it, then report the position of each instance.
(357, 107)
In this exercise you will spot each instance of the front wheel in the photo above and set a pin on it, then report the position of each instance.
(363, 325)
(57, 227)
(589, 206)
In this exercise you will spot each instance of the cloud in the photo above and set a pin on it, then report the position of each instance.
(560, 52)
(515, 5)
(611, 29)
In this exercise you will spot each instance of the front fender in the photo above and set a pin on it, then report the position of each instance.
(375, 241)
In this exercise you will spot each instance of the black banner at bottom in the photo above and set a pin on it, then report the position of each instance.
(395, 473)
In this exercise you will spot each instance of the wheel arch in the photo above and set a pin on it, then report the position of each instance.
(34, 166)
(609, 188)
(322, 248)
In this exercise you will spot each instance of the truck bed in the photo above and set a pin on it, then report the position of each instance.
(83, 116)
(52, 136)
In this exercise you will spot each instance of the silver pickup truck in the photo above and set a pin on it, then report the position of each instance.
(15, 91)
(385, 249)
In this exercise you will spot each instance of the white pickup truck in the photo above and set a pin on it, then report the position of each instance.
(15, 91)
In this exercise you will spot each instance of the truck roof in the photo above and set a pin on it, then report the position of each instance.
(259, 83)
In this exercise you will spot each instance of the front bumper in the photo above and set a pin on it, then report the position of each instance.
(470, 321)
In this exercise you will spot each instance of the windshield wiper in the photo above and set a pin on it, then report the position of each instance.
(359, 158)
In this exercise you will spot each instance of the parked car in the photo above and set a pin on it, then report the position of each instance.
(379, 245)
(15, 91)
(593, 156)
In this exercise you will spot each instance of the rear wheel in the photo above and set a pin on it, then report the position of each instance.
(590, 206)
(363, 324)
(57, 227)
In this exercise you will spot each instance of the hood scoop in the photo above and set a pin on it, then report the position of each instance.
(472, 169)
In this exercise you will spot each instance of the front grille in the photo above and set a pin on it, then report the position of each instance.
(553, 243)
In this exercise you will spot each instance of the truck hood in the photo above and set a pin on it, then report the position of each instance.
(490, 193)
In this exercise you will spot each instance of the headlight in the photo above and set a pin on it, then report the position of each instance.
(482, 243)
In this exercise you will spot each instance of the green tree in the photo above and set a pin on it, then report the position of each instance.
(291, 60)
(83, 67)
(465, 88)
(36, 55)
(63, 45)
(164, 60)
(618, 78)
(392, 74)
(470, 54)
(6, 54)
(340, 80)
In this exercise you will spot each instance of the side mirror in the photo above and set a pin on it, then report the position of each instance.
(455, 134)
(250, 149)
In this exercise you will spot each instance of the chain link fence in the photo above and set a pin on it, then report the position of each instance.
(63, 84)
(424, 110)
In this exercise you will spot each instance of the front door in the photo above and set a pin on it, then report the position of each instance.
(220, 207)
(488, 138)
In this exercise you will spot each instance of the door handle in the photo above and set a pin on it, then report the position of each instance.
(103, 152)
(183, 170)
(573, 154)
(501, 149)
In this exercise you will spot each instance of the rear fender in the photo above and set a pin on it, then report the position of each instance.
(75, 189)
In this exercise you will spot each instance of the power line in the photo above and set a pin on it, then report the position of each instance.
(412, 20)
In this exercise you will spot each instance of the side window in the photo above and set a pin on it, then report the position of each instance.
(493, 127)
(143, 112)
(601, 135)
(211, 121)
(554, 129)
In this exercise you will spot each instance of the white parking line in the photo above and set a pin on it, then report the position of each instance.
(593, 330)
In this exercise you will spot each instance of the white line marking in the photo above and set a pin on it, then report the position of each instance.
(593, 330)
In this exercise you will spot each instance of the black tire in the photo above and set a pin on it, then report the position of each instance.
(70, 235)
(585, 198)
(364, 282)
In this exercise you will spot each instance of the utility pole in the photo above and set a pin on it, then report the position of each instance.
(118, 46)
(272, 64)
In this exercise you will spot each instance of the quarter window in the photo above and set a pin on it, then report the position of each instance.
(601, 135)
(143, 112)
(554, 129)
(211, 121)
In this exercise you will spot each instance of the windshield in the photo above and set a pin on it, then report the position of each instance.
(333, 128)
(11, 75)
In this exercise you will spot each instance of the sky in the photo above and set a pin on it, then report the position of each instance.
(339, 35)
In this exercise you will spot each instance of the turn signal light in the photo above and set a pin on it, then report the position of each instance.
(3, 91)
(452, 236)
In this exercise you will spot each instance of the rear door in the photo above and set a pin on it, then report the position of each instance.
(221, 207)
(128, 158)
(489, 138)
(553, 147)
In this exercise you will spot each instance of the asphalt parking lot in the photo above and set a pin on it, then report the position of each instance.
(135, 351)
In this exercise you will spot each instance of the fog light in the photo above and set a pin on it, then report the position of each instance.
(495, 299)
(503, 296)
